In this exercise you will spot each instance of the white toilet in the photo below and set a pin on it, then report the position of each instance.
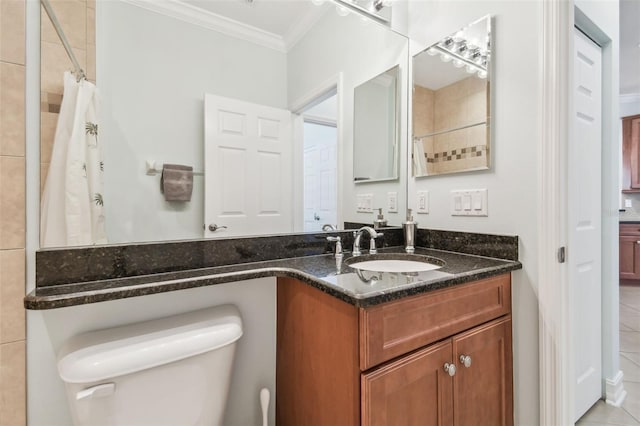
(171, 371)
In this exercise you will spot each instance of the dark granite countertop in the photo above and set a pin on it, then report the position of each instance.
(321, 271)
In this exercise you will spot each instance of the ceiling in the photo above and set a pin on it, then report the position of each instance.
(280, 17)
(276, 17)
(629, 47)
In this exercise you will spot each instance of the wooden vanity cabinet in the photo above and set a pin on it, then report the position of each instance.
(629, 251)
(631, 154)
(385, 365)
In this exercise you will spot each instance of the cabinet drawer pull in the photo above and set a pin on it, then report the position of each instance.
(450, 368)
(465, 360)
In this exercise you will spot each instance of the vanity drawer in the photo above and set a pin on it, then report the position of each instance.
(630, 229)
(395, 328)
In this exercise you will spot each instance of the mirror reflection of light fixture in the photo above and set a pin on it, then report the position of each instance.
(462, 53)
(371, 8)
(379, 4)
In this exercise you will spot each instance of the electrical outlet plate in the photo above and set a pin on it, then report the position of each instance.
(471, 202)
(392, 202)
(422, 202)
(627, 203)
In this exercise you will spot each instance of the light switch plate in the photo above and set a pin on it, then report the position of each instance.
(364, 203)
(470, 202)
(422, 202)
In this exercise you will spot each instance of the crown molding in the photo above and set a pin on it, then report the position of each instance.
(209, 20)
(302, 26)
(630, 98)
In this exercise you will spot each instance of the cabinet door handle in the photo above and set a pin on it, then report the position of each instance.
(450, 368)
(465, 360)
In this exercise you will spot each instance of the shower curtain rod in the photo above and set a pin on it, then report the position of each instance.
(80, 75)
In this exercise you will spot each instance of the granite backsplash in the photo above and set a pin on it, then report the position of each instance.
(82, 264)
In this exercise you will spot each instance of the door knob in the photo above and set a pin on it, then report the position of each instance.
(465, 360)
(213, 227)
(450, 368)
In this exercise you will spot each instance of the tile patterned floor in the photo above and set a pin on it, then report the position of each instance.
(602, 414)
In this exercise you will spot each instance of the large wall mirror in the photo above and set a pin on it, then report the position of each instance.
(451, 103)
(258, 97)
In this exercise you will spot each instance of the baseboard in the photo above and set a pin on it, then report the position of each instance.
(615, 393)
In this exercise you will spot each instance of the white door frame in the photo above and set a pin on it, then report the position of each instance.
(554, 301)
(297, 107)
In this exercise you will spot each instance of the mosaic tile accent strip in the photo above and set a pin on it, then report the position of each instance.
(456, 154)
(50, 102)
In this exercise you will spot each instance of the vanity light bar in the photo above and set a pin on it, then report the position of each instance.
(352, 6)
(458, 57)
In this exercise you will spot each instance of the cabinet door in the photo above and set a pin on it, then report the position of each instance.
(634, 135)
(483, 387)
(629, 257)
(631, 154)
(414, 390)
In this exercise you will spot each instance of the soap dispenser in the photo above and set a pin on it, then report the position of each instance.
(380, 222)
(409, 228)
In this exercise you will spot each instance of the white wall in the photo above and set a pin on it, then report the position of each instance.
(254, 366)
(512, 180)
(359, 50)
(629, 105)
(153, 72)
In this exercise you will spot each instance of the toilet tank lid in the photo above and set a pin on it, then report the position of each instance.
(105, 354)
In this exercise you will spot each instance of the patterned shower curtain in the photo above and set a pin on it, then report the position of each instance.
(72, 210)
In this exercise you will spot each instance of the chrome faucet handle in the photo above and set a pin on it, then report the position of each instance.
(356, 244)
(372, 246)
(338, 242)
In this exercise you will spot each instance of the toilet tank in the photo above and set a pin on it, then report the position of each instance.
(170, 371)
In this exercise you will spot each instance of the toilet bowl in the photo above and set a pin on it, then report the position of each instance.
(174, 371)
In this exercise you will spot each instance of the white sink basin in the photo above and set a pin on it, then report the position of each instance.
(394, 263)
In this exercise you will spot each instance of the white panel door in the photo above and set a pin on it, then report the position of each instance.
(320, 176)
(585, 205)
(248, 168)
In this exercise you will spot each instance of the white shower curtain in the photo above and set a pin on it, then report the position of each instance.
(419, 161)
(72, 210)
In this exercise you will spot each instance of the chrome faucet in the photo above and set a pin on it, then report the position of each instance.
(356, 242)
(338, 242)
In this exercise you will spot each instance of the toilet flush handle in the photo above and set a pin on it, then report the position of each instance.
(98, 391)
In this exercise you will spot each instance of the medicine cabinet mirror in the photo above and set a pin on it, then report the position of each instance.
(451, 118)
(376, 130)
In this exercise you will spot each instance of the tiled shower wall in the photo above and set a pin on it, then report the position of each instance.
(77, 18)
(12, 212)
(448, 108)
